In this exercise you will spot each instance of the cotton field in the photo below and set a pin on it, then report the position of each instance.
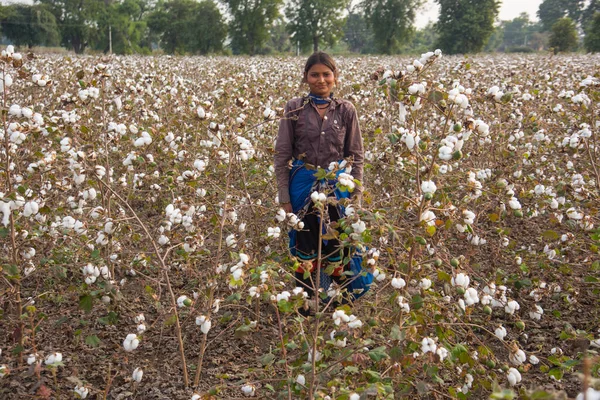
(144, 254)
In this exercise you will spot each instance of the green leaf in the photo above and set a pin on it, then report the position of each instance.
(570, 364)
(11, 270)
(523, 283)
(396, 333)
(378, 354)
(505, 394)
(550, 235)
(435, 96)
(416, 302)
(234, 298)
(171, 320)
(86, 302)
(242, 330)
(4, 232)
(541, 395)
(430, 230)
(396, 353)
(444, 276)
(351, 369)
(285, 306)
(92, 341)
(266, 359)
(111, 319)
(557, 373)
(565, 335)
(95, 254)
(372, 376)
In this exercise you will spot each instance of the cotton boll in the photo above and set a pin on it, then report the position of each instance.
(428, 187)
(461, 280)
(514, 376)
(500, 332)
(398, 283)
(537, 313)
(471, 297)
(53, 359)
(517, 357)
(137, 375)
(511, 307)
(81, 392)
(425, 284)
(131, 342)
(248, 390)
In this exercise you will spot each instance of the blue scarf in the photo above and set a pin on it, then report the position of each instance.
(319, 100)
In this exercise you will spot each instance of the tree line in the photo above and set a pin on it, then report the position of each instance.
(272, 26)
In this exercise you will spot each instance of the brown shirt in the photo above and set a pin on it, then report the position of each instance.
(304, 135)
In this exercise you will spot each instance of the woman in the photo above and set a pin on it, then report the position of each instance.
(315, 131)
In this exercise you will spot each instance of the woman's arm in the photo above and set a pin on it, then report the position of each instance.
(283, 153)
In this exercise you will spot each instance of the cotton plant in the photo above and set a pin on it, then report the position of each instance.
(237, 270)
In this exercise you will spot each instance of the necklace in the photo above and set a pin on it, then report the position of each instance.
(322, 108)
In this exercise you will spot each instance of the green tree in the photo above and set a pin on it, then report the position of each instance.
(77, 21)
(518, 33)
(551, 11)
(251, 23)
(589, 14)
(592, 35)
(29, 25)
(279, 38)
(184, 26)
(424, 40)
(563, 36)
(313, 22)
(128, 29)
(357, 34)
(391, 22)
(464, 26)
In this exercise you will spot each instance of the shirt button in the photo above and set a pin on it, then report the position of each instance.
(322, 133)
(325, 117)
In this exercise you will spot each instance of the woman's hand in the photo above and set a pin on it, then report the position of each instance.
(287, 207)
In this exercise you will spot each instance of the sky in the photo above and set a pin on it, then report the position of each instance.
(509, 9)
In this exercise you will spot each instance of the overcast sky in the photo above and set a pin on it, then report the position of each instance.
(509, 9)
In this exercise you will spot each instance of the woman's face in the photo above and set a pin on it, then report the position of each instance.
(320, 80)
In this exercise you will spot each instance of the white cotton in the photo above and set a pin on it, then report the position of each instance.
(500, 332)
(590, 394)
(514, 376)
(425, 284)
(537, 313)
(511, 307)
(517, 357)
(137, 375)
(514, 203)
(398, 283)
(53, 359)
(131, 342)
(461, 280)
(81, 391)
(248, 390)
(471, 297)
(428, 187)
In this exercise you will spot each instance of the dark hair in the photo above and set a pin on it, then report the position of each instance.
(320, 57)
